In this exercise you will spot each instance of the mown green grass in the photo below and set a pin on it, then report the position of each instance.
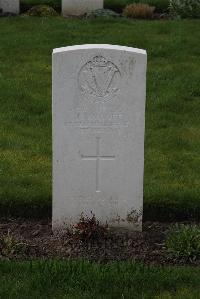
(172, 144)
(67, 280)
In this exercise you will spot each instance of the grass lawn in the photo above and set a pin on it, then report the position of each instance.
(26, 280)
(172, 176)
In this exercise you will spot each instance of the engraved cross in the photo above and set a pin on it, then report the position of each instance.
(98, 157)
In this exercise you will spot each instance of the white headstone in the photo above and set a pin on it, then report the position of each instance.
(11, 6)
(99, 94)
(80, 7)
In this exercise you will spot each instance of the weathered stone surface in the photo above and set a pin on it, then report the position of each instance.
(99, 96)
(80, 7)
(10, 6)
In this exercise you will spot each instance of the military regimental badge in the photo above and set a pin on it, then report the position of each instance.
(99, 78)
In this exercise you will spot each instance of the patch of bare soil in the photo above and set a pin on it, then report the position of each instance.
(29, 239)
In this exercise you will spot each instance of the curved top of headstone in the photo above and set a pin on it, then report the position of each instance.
(99, 46)
(10, 6)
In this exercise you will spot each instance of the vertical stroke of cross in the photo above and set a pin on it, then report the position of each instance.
(98, 157)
